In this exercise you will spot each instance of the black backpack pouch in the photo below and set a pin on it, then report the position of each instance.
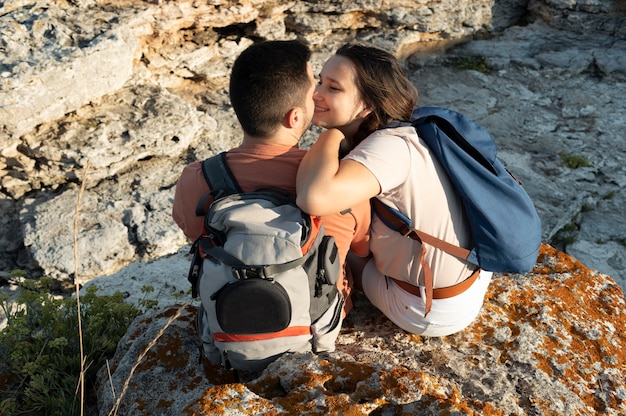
(252, 306)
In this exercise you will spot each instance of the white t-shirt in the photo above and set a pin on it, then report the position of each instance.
(413, 182)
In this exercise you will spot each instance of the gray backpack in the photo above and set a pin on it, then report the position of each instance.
(266, 275)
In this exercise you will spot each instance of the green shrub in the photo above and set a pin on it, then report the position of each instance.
(476, 63)
(574, 161)
(40, 347)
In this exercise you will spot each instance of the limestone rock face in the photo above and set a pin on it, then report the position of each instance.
(54, 62)
(134, 90)
(121, 94)
(548, 342)
(583, 16)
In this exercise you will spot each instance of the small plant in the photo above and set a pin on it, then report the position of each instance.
(587, 208)
(40, 347)
(566, 236)
(609, 195)
(146, 303)
(476, 63)
(574, 161)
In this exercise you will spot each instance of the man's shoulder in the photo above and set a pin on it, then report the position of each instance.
(255, 166)
(192, 169)
(361, 208)
(191, 177)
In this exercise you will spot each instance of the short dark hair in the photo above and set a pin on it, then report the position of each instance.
(383, 85)
(267, 80)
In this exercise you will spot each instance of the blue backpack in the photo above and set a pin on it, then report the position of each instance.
(506, 230)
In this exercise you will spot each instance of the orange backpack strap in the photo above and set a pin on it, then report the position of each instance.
(396, 223)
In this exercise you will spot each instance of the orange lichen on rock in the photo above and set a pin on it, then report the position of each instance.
(218, 399)
(582, 319)
(551, 341)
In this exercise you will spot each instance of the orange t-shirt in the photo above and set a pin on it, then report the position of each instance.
(254, 166)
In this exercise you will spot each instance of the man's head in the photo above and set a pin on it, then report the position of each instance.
(268, 81)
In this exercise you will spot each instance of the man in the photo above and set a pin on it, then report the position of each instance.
(271, 91)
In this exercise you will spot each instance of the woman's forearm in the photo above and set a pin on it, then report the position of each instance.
(326, 185)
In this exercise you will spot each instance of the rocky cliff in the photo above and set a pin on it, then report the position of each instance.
(134, 90)
(122, 94)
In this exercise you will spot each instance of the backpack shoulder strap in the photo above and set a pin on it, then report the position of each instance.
(392, 220)
(220, 179)
(218, 175)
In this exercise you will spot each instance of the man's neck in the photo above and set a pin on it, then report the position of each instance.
(274, 140)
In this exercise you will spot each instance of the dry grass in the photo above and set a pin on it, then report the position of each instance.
(113, 411)
(81, 387)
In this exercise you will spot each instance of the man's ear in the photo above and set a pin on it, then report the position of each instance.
(293, 117)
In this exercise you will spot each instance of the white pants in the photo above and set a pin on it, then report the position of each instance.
(446, 316)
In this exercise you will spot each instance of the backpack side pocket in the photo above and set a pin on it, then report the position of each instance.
(323, 270)
(195, 268)
(326, 328)
(329, 260)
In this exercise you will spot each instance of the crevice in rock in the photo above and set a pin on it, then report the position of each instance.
(237, 31)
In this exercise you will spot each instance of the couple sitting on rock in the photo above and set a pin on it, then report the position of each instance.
(360, 90)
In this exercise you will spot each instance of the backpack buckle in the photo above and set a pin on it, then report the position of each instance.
(248, 272)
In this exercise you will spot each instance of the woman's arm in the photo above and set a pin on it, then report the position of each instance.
(326, 185)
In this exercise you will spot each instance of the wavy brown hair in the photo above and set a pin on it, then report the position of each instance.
(383, 85)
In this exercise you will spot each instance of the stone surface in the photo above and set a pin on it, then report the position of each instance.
(49, 68)
(136, 89)
(548, 342)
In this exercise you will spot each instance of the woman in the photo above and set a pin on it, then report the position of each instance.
(361, 90)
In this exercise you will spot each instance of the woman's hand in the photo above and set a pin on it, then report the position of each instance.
(330, 137)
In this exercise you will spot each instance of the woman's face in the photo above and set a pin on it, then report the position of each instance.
(338, 102)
